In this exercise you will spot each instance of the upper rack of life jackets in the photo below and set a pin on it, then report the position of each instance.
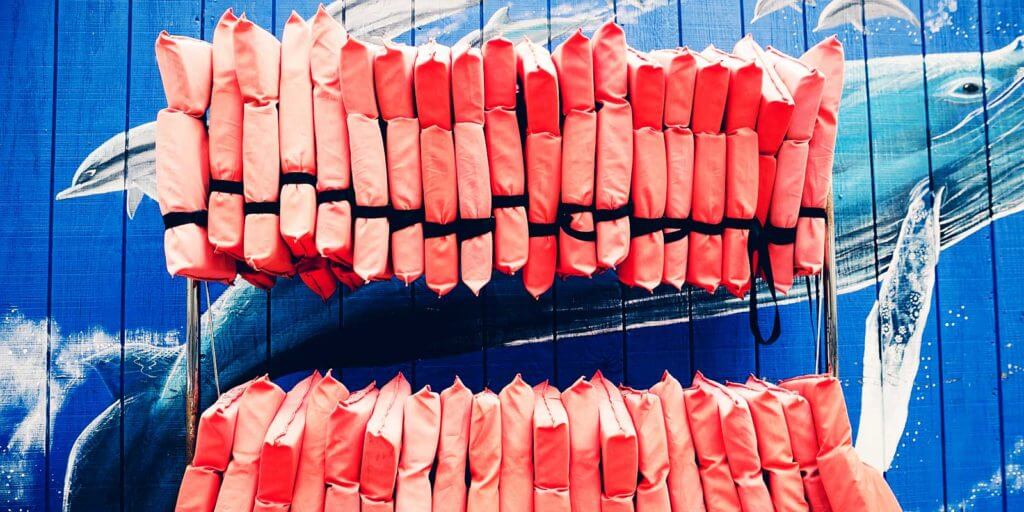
(339, 160)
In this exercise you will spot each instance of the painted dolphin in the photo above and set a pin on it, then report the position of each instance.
(241, 310)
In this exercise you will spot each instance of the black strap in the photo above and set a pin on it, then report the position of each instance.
(268, 207)
(706, 229)
(565, 213)
(601, 215)
(779, 236)
(472, 228)
(639, 226)
(435, 230)
(510, 201)
(812, 212)
(175, 219)
(758, 243)
(226, 186)
(371, 212)
(298, 178)
(401, 219)
(334, 196)
(682, 227)
(538, 229)
(738, 223)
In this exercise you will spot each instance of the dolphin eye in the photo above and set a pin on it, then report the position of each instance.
(967, 89)
(89, 173)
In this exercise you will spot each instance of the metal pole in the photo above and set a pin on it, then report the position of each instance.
(193, 350)
(830, 294)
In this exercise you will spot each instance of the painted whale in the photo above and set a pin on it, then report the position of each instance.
(382, 311)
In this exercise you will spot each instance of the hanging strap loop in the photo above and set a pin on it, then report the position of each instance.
(758, 243)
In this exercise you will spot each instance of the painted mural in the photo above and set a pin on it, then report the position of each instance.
(929, 180)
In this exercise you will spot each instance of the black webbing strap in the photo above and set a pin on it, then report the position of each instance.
(472, 228)
(510, 201)
(401, 219)
(175, 219)
(538, 229)
(601, 215)
(298, 178)
(705, 228)
(565, 213)
(371, 212)
(266, 207)
(758, 243)
(812, 212)
(435, 230)
(334, 196)
(639, 226)
(226, 186)
(683, 227)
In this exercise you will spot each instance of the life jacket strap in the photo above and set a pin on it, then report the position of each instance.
(334, 196)
(512, 201)
(298, 178)
(437, 230)
(371, 212)
(472, 228)
(605, 215)
(812, 212)
(264, 207)
(401, 219)
(538, 229)
(226, 186)
(565, 213)
(175, 219)
(640, 226)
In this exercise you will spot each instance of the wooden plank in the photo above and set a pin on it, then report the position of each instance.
(657, 331)
(27, 30)
(88, 250)
(1000, 43)
(508, 307)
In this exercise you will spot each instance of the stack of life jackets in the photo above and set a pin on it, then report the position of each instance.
(745, 447)
(337, 159)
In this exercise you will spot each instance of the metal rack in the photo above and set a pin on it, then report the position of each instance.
(193, 344)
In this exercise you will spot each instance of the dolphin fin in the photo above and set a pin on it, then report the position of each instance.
(135, 196)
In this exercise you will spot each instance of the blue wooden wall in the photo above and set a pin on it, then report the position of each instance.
(91, 405)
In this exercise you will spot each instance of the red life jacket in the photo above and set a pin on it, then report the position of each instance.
(226, 219)
(539, 82)
(652, 443)
(680, 74)
(346, 429)
(279, 458)
(619, 456)
(581, 403)
(614, 145)
(183, 167)
(827, 57)
(309, 479)
(517, 407)
(453, 449)
(708, 441)
(645, 263)
(382, 443)
(476, 240)
(333, 180)
(484, 453)
(551, 451)
(420, 432)
(432, 78)
(684, 486)
(505, 156)
(574, 61)
(393, 75)
(258, 68)
(371, 233)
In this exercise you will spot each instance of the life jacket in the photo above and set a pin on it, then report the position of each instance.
(258, 68)
(741, 168)
(476, 225)
(581, 404)
(517, 406)
(215, 436)
(346, 429)
(393, 75)
(719, 491)
(453, 449)
(849, 483)
(614, 145)
(382, 443)
(645, 263)
(432, 79)
(574, 61)
(704, 261)
(773, 119)
(484, 452)
(298, 156)
(308, 495)
(182, 164)
(420, 432)
(256, 410)
(806, 86)
(539, 85)
(279, 458)
(371, 233)
(684, 488)
(334, 179)
(827, 57)
(740, 443)
(619, 457)
(551, 451)
(652, 443)
(680, 69)
(316, 274)
(773, 446)
(505, 156)
(226, 218)
(802, 438)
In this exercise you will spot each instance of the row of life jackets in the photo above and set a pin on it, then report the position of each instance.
(751, 447)
(327, 152)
